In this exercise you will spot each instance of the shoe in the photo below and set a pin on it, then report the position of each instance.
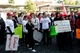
(33, 50)
(36, 43)
(27, 45)
(30, 48)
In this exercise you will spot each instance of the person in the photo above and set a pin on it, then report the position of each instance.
(2, 30)
(70, 34)
(20, 18)
(40, 16)
(14, 20)
(25, 31)
(78, 25)
(52, 18)
(60, 38)
(10, 25)
(45, 28)
(30, 28)
(36, 24)
(14, 15)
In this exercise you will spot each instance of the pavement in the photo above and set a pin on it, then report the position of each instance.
(44, 49)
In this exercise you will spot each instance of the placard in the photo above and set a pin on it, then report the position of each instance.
(62, 26)
(12, 43)
(37, 35)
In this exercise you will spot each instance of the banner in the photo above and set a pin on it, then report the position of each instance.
(12, 43)
(37, 35)
(78, 33)
(18, 31)
(62, 26)
(53, 32)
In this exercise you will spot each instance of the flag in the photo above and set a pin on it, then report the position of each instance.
(64, 9)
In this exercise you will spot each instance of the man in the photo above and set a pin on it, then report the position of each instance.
(45, 27)
(2, 30)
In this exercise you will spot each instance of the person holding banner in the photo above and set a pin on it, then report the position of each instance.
(10, 25)
(61, 36)
(36, 24)
(45, 27)
(30, 28)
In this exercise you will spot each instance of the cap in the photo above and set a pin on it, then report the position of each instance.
(29, 17)
(52, 14)
(8, 14)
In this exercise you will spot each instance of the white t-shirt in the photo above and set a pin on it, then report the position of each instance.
(24, 22)
(20, 19)
(36, 23)
(10, 24)
(45, 23)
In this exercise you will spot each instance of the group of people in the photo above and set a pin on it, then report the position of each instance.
(42, 23)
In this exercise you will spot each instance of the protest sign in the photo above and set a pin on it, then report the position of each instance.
(62, 26)
(12, 43)
(53, 32)
(37, 35)
(18, 31)
(78, 33)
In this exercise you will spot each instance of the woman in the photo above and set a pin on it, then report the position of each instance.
(25, 31)
(10, 25)
(36, 24)
(40, 16)
(30, 28)
(20, 18)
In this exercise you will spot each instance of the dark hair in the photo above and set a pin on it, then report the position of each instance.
(39, 14)
(57, 14)
(24, 17)
(20, 14)
(44, 13)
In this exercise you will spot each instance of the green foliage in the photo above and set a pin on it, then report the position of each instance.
(70, 2)
(11, 1)
(30, 6)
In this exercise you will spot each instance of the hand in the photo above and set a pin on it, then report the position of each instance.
(42, 31)
(32, 28)
(49, 30)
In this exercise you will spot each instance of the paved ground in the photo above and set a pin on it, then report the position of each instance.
(44, 49)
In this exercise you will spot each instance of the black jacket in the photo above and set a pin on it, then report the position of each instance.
(2, 25)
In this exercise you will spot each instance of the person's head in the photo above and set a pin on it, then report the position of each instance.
(9, 15)
(48, 15)
(70, 17)
(14, 13)
(32, 15)
(25, 17)
(67, 18)
(40, 15)
(29, 19)
(20, 14)
(52, 14)
(44, 14)
(57, 14)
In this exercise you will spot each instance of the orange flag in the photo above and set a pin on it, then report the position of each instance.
(64, 9)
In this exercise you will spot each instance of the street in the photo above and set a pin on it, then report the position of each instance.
(44, 49)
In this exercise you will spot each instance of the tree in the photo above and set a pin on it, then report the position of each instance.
(71, 2)
(30, 6)
(11, 1)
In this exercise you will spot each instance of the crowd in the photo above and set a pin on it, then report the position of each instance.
(42, 23)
